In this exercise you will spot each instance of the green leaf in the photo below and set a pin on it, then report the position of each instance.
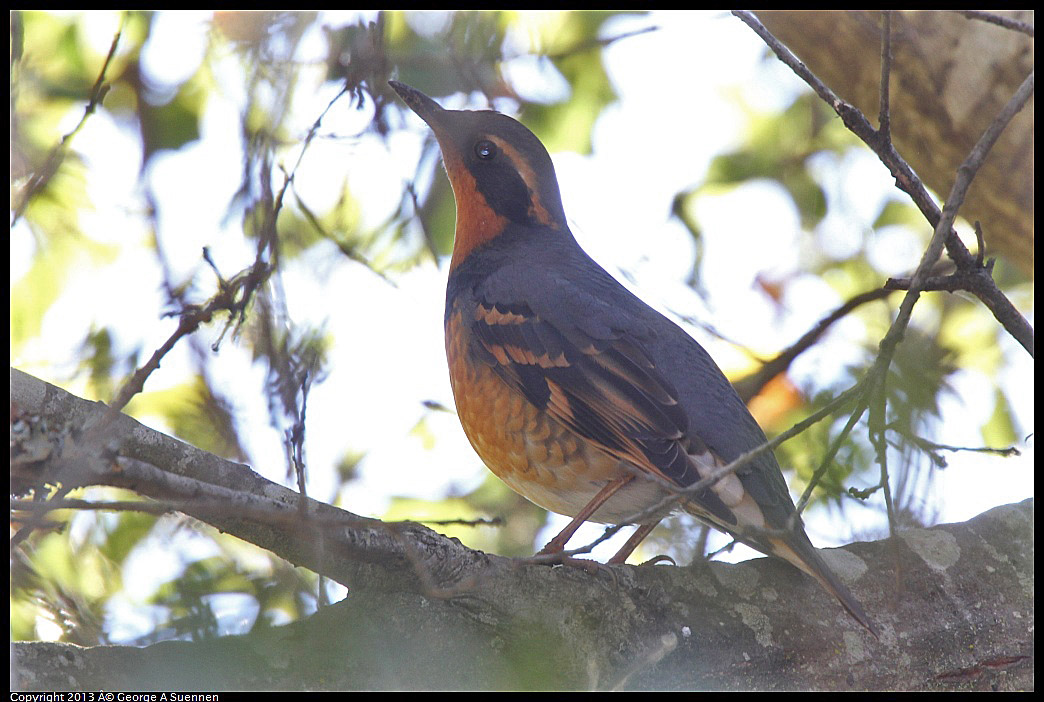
(999, 429)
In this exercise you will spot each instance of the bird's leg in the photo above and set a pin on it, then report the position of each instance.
(557, 544)
(637, 537)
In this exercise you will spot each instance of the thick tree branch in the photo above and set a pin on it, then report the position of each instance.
(513, 624)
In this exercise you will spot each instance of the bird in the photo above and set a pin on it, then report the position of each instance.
(573, 391)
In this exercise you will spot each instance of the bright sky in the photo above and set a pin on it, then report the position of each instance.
(677, 109)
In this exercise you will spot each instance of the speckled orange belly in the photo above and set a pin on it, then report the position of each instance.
(537, 456)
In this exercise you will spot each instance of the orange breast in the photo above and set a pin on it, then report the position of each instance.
(537, 456)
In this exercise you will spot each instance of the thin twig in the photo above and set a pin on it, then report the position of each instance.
(676, 494)
(233, 296)
(752, 384)
(907, 180)
(932, 447)
(884, 118)
(828, 457)
(599, 43)
(871, 388)
(57, 155)
(954, 282)
(999, 20)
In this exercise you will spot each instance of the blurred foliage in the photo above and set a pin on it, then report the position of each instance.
(779, 148)
(195, 410)
(67, 579)
(64, 582)
(55, 65)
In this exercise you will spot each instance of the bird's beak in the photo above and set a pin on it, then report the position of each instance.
(447, 125)
(426, 108)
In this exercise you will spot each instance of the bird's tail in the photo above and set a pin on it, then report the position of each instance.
(793, 546)
(799, 551)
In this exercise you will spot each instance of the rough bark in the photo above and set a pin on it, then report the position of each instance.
(954, 603)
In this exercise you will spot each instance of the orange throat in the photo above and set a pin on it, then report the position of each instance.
(477, 222)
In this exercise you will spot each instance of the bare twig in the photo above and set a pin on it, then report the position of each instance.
(828, 457)
(231, 296)
(907, 179)
(599, 43)
(999, 20)
(932, 447)
(954, 282)
(568, 554)
(677, 494)
(871, 390)
(57, 155)
(495, 521)
(884, 118)
(751, 385)
(345, 248)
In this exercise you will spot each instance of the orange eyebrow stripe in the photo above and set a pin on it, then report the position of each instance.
(529, 177)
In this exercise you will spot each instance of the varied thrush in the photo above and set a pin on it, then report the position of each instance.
(573, 391)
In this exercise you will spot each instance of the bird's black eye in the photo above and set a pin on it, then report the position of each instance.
(486, 150)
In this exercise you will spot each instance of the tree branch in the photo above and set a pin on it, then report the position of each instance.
(908, 181)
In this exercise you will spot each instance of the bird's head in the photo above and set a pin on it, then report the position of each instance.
(500, 172)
